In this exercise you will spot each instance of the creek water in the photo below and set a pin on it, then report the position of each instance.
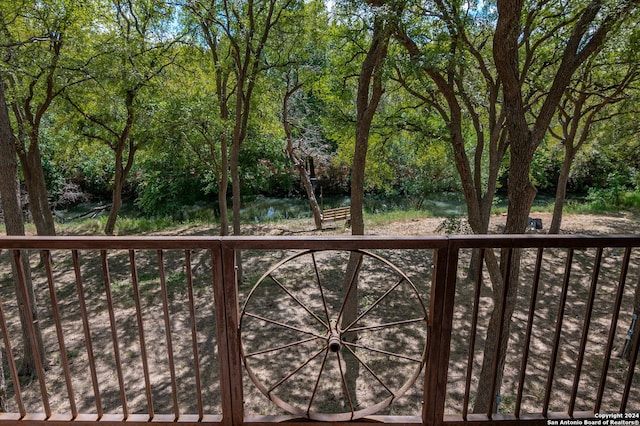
(268, 209)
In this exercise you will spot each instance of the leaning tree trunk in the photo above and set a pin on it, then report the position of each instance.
(298, 164)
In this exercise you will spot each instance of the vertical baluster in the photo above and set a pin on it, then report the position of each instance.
(87, 332)
(527, 339)
(13, 370)
(503, 309)
(473, 331)
(585, 329)
(17, 257)
(194, 333)
(612, 330)
(143, 346)
(114, 332)
(558, 332)
(167, 327)
(46, 255)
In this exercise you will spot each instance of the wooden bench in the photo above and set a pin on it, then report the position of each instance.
(340, 213)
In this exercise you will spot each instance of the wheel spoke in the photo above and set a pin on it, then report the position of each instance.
(375, 376)
(305, 307)
(294, 372)
(283, 325)
(345, 387)
(387, 324)
(279, 348)
(393, 354)
(324, 301)
(315, 388)
(374, 304)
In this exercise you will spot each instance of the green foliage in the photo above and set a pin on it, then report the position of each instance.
(92, 170)
(423, 169)
(613, 196)
(265, 168)
(598, 169)
(166, 185)
(546, 165)
(54, 175)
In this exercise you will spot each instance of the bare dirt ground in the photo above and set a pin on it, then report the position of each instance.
(160, 326)
(589, 224)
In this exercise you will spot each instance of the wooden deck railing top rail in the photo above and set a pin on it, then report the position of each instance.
(140, 329)
(317, 242)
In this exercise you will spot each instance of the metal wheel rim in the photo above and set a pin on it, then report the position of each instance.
(352, 414)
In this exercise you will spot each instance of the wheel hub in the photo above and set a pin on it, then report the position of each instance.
(334, 341)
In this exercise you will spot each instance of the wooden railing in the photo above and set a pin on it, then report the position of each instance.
(147, 329)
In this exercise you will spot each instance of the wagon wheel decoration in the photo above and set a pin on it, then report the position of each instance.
(314, 354)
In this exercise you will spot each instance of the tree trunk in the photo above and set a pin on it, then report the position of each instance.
(9, 195)
(116, 204)
(116, 194)
(122, 168)
(561, 191)
(235, 190)
(9, 184)
(37, 188)
(498, 331)
(223, 182)
(29, 116)
(122, 172)
(520, 193)
(222, 202)
(221, 81)
(370, 90)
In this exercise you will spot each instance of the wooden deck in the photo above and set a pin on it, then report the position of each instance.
(148, 329)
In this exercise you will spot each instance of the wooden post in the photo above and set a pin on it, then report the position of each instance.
(440, 325)
(226, 293)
